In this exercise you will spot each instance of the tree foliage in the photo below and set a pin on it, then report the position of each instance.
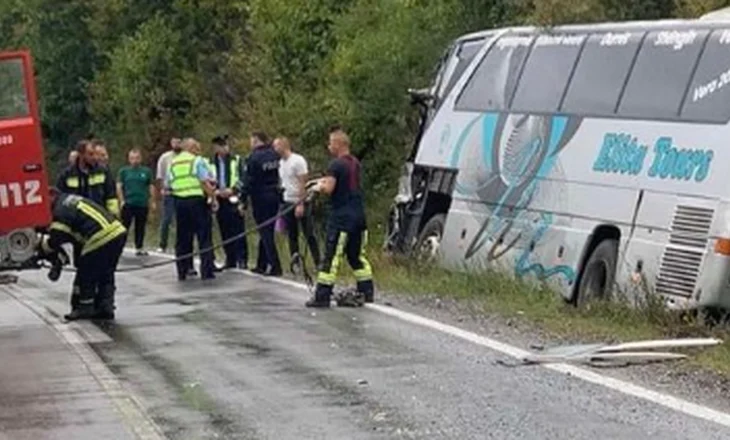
(137, 71)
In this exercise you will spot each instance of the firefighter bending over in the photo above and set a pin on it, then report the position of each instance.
(346, 227)
(100, 238)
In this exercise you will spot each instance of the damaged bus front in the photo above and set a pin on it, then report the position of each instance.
(417, 216)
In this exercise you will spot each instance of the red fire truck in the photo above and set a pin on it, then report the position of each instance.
(24, 207)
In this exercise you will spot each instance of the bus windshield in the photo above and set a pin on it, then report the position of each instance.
(13, 96)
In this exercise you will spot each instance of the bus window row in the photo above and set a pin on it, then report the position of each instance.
(658, 75)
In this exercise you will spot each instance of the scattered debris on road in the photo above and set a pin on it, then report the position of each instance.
(8, 279)
(606, 355)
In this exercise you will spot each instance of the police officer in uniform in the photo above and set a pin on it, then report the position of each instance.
(86, 178)
(100, 238)
(346, 226)
(227, 170)
(191, 183)
(262, 185)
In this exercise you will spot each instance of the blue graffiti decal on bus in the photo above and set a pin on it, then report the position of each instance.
(524, 267)
(622, 153)
(504, 161)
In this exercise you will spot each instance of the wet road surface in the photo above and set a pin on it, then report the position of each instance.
(241, 358)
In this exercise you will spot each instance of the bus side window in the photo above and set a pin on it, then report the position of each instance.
(661, 74)
(601, 74)
(547, 73)
(464, 55)
(708, 97)
(493, 81)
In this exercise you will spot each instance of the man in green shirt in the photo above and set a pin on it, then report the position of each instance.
(135, 187)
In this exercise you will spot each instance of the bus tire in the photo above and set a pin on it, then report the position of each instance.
(598, 273)
(429, 240)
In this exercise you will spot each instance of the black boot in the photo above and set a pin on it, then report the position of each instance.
(367, 289)
(105, 303)
(82, 311)
(321, 298)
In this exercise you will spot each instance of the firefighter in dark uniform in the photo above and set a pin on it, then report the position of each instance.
(100, 237)
(227, 170)
(262, 185)
(88, 179)
(346, 226)
(191, 183)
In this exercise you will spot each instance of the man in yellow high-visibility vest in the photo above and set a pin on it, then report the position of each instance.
(191, 184)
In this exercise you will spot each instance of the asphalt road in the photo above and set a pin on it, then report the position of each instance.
(241, 358)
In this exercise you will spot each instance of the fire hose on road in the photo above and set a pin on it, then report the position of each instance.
(56, 270)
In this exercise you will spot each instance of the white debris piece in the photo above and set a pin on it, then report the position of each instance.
(624, 353)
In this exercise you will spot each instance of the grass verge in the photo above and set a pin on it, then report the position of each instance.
(536, 306)
(543, 309)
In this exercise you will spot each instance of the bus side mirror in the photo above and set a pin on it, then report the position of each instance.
(420, 96)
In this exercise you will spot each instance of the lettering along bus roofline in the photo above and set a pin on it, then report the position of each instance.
(616, 26)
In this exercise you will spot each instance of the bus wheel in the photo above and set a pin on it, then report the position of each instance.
(598, 274)
(429, 240)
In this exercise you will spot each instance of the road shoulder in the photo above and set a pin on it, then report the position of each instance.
(53, 385)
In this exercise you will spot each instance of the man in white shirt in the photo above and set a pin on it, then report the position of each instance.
(168, 202)
(293, 174)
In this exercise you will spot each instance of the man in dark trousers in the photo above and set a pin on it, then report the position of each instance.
(227, 169)
(346, 226)
(136, 190)
(100, 238)
(191, 184)
(87, 179)
(262, 185)
(293, 172)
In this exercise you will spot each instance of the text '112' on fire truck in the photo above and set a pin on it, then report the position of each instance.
(24, 206)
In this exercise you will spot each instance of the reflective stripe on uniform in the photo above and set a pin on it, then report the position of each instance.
(72, 182)
(329, 276)
(112, 205)
(114, 230)
(93, 213)
(97, 179)
(62, 227)
(366, 273)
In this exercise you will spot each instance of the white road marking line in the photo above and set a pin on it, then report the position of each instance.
(128, 405)
(628, 388)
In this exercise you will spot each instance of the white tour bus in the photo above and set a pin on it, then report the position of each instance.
(582, 155)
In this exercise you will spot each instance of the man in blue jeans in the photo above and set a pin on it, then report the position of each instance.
(168, 202)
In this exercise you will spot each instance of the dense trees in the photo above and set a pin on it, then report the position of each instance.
(135, 71)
